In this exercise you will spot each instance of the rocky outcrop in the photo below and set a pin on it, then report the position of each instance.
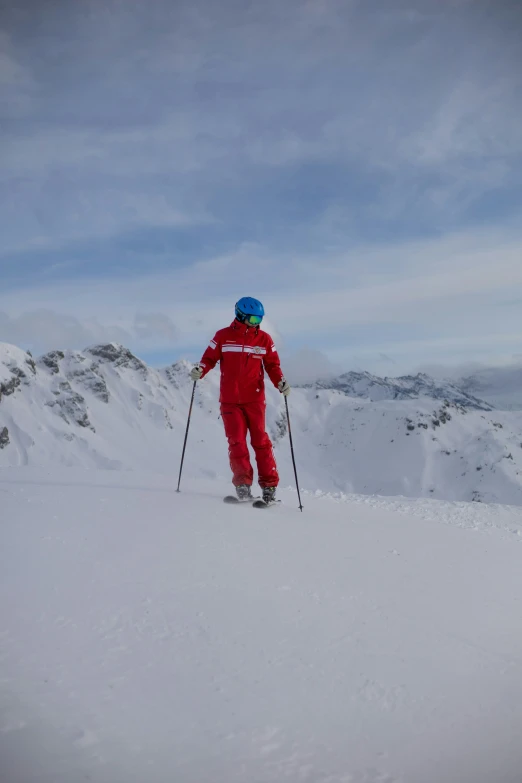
(90, 379)
(168, 423)
(436, 419)
(118, 356)
(8, 387)
(52, 360)
(70, 405)
(4, 437)
(31, 362)
(177, 373)
(17, 377)
(279, 429)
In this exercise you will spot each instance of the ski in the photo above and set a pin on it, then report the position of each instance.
(233, 499)
(255, 502)
(261, 503)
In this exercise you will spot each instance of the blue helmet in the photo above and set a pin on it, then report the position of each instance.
(249, 311)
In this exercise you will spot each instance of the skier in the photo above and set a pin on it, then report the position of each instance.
(245, 351)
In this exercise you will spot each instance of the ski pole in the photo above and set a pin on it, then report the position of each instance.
(186, 433)
(292, 450)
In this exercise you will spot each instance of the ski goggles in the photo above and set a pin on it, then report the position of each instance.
(253, 320)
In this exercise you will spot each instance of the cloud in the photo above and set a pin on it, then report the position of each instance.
(16, 82)
(43, 330)
(66, 218)
(504, 367)
(12, 74)
(307, 365)
(150, 326)
(159, 161)
(403, 299)
(169, 116)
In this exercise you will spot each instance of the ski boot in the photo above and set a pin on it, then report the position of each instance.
(269, 495)
(244, 493)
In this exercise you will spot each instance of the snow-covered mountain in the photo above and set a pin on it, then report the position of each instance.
(407, 387)
(502, 386)
(103, 407)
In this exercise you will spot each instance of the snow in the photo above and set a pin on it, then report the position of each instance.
(10, 356)
(147, 635)
(104, 408)
(153, 636)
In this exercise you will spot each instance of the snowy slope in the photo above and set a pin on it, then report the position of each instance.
(412, 448)
(162, 637)
(102, 407)
(105, 408)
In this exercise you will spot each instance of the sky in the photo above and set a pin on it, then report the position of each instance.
(354, 164)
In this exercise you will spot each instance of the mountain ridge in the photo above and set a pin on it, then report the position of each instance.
(105, 408)
(375, 388)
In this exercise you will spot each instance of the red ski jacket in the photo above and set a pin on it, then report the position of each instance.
(244, 352)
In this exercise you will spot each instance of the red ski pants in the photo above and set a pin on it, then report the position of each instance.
(238, 420)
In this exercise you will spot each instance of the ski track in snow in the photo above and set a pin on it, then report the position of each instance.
(153, 636)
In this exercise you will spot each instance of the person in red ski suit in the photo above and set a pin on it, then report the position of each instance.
(245, 351)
